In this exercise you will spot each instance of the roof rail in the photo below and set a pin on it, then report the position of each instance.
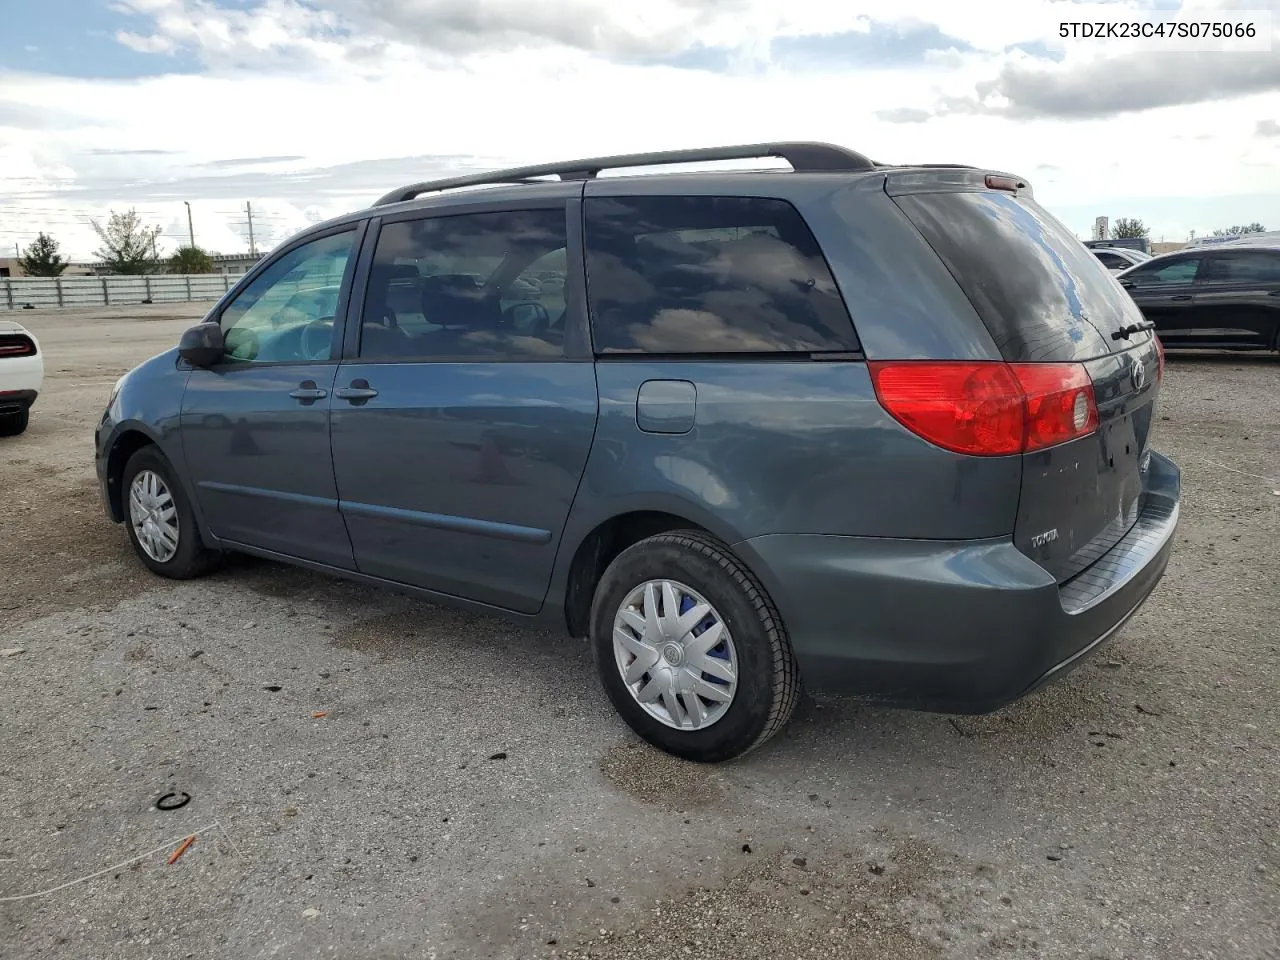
(803, 157)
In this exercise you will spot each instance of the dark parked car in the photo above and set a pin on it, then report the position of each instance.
(1219, 297)
(881, 430)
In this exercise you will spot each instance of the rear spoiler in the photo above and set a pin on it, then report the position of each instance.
(939, 178)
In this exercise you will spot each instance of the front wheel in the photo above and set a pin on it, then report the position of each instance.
(690, 648)
(161, 525)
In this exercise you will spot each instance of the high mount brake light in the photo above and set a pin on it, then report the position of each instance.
(996, 182)
(988, 408)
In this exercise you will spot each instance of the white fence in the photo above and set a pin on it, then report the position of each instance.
(17, 294)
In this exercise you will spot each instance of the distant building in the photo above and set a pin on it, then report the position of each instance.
(1163, 247)
(11, 268)
(1102, 228)
(1270, 236)
(233, 264)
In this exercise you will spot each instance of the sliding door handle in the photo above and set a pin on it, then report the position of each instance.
(358, 392)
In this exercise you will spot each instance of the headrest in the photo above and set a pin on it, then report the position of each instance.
(458, 299)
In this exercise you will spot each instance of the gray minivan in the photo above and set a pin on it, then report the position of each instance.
(874, 429)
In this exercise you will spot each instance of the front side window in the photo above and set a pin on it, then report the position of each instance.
(1112, 261)
(286, 314)
(696, 275)
(1166, 274)
(479, 285)
(1256, 266)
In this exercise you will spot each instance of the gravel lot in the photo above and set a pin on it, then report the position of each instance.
(470, 794)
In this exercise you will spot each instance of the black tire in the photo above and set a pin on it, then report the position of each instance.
(12, 424)
(192, 558)
(768, 679)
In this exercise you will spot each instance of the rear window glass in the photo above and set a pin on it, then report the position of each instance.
(696, 275)
(1042, 294)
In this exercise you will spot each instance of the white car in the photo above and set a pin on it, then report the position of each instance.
(1116, 259)
(21, 376)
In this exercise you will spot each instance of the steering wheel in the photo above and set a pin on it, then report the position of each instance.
(316, 339)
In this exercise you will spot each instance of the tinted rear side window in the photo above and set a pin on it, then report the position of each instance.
(1256, 266)
(1165, 273)
(1041, 293)
(697, 275)
(467, 285)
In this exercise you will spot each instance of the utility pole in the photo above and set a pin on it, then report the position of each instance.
(248, 208)
(191, 230)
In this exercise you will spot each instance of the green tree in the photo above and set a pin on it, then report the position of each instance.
(1128, 228)
(1254, 227)
(128, 246)
(42, 258)
(190, 260)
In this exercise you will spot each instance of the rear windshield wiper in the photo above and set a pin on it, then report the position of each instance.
(1124, 333)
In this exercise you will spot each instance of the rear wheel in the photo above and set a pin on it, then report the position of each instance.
(690, 648)
(161, 525)
(12, 424)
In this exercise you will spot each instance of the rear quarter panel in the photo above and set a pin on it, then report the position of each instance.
(21, 373)
(785, 447)
(904, 302)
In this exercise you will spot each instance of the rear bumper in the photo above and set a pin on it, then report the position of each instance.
(15, 401)
(962, 626)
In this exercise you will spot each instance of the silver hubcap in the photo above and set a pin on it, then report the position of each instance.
(154, 516)
(675, 655)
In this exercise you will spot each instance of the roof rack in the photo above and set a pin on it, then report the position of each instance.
(803, 157)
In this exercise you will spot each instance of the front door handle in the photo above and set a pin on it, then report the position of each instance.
(358, 392)
(1184, 296)
(308, 393)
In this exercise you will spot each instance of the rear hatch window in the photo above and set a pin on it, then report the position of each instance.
(1042, 294)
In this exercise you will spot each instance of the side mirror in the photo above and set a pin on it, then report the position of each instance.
(201, 345)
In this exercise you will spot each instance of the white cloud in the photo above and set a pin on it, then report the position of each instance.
(322, 110)
(155, 43)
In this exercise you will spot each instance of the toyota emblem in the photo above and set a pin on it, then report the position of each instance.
(1138, 375)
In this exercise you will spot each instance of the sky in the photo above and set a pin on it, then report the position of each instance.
(311, 108)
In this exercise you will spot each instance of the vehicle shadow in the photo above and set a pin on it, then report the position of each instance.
(1181, 357)
(392, 626)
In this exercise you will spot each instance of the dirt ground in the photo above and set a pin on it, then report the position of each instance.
(468, 792)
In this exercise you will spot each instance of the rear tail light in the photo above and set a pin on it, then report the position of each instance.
(988, 409)
(1159, 359)
(16, 345)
